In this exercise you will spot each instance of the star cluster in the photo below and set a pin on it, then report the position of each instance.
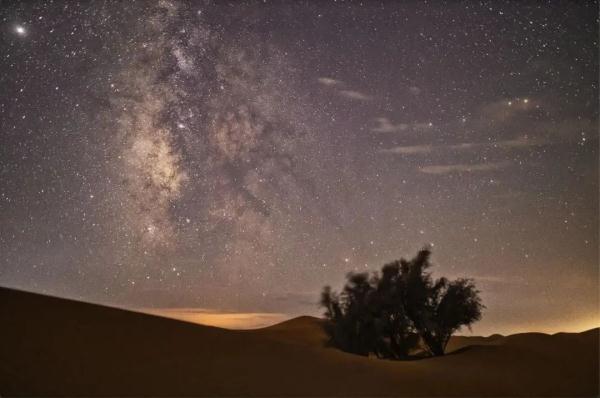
(237, 156)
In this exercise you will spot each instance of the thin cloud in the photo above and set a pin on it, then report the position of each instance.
(327, 81)
(463, 168)
(356, 95)
(465, 145)
(384, 125)
(345, 92)
(506, 108)
(422, 126)
(515, 143)
(409, 150)
(519, 142)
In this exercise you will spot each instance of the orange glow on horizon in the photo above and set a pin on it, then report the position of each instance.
(256, 320)
(228, 320)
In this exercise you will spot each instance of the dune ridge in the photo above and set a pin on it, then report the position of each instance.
(54, 346)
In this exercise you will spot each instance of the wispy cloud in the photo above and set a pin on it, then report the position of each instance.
(463, 168)
(519, 142)
(355, 95)
(343, 89)
(506, 108)
(422, 126)
(515, 143)
(328, 81)
(409, 150)
(465, 145)
(384, 125)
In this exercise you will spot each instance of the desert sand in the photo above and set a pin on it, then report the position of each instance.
(53, 346)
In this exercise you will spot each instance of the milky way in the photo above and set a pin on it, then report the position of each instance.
(239, 156)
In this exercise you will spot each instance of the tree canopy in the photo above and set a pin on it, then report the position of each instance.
(402, 308)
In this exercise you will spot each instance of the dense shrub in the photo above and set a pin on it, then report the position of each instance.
(399, 309)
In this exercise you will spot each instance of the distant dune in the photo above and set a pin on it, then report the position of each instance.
(53, 346)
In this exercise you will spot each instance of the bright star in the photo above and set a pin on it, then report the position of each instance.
(20, 30)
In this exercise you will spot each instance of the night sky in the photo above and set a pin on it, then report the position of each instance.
(236, 157)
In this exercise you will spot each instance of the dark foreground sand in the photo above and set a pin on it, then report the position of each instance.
(53, 346)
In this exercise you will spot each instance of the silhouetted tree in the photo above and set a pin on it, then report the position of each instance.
(394, 326)
(386, 314)
(352, 326)
(438, 308)
(458, 304)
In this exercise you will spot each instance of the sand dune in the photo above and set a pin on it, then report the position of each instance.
(53, 346)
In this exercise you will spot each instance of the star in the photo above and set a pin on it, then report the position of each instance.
(20, 30)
